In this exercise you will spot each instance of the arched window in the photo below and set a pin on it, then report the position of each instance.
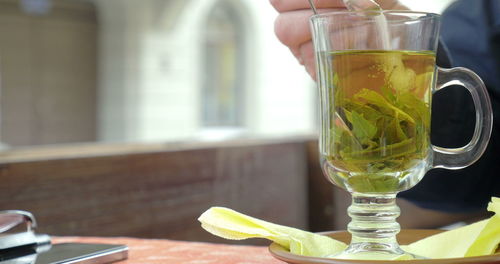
(223, 67)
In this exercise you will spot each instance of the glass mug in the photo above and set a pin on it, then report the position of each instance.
(376, 72)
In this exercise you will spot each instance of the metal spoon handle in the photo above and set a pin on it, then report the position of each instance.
(313, 7)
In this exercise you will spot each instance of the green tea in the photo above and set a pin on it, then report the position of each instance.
(376, 118)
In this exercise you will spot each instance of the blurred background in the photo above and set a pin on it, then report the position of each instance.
(149, 71)
(194, 103)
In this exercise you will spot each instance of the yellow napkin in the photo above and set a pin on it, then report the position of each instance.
(481, 238)
(230, 224)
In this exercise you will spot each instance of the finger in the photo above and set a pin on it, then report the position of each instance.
(291, 5)
(296, 53)
(384, 4)
(307, 55)
(292, 28)
(391, 5)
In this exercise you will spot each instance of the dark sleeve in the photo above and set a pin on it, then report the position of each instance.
(453, 120)
(443, 56)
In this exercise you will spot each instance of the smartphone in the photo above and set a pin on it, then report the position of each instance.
(67, 253)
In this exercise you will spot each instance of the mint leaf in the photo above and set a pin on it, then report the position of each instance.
(362, 129)
(368, 112)
(415, 107)
(378, 100)
(388, 93)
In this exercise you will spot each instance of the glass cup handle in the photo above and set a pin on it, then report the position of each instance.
(457, 158)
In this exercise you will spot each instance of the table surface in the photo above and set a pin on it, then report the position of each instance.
(156, 251)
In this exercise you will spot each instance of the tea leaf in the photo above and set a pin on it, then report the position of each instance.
(368, 112)
(388, 93)
(378, 100)
(394, 132)
(362, 129)
(415, 107)
(383, 153)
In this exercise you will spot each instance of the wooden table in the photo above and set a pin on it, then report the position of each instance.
(156, 251)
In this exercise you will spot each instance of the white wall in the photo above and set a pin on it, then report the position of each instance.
(285, 92)
(157, 66)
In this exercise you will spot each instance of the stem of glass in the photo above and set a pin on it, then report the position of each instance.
(373, 226)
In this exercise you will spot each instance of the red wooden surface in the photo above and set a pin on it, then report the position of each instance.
(160, 251)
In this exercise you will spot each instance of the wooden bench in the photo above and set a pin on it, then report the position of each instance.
(159, 190)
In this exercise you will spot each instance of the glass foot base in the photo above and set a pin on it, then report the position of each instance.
(375, 251)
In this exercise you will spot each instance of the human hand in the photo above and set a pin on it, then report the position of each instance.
(292, 25)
